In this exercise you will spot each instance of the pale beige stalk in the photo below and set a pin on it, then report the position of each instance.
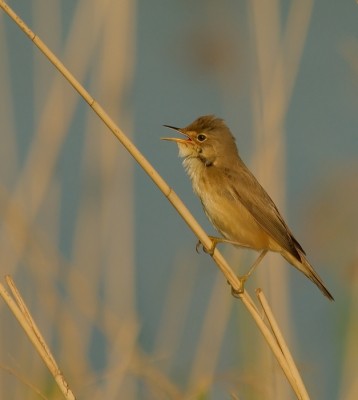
(24, 380)
(233, 395)
(282, 343)
(168, 192)
(25, 319)
(273, 345)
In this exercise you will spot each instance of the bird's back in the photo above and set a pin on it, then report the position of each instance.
(241, 210)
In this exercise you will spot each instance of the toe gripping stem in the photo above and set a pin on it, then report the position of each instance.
(237, 293)
(214, 242)
(243, 279)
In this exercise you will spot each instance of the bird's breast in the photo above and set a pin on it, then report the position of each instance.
(227, 214)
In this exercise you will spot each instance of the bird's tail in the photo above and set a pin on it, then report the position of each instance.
(305, 267)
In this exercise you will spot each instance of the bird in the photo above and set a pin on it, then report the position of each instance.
(233, 200)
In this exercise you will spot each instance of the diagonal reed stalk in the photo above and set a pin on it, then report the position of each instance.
(281, 341)
(25, 319)
(23, 380)
(233, 280)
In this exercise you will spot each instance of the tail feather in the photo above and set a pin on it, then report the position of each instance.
(305, 267)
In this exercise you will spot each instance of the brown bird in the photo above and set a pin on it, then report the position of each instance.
(233, 200)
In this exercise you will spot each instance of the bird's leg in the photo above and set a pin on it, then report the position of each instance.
(214, 242)
(256, 263)
(243, 279)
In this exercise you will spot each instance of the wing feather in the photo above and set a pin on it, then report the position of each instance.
(245, 188)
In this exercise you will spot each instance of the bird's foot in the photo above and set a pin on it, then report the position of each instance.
(237, 293)
(214, 242)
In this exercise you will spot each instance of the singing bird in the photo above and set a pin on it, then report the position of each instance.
(233, 200)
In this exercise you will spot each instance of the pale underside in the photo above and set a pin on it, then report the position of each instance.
(226, 213)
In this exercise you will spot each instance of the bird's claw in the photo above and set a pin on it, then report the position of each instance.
(237, 293)
(208, 251)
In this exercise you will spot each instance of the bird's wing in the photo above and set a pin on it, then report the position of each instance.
(245, 188)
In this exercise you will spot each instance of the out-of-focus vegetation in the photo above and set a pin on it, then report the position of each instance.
(71, 209)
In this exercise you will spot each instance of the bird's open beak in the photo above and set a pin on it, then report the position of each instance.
(178, 140)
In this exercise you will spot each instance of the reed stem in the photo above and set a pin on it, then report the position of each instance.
(231, 277)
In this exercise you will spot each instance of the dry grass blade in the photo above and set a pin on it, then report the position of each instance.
(168, 192)
(24, 380)
(233, 395)
(29, 319)
(273, 345)
(156, 380)
(283, 346)
(26, 321)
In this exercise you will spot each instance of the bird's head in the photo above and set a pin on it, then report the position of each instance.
(207, 138)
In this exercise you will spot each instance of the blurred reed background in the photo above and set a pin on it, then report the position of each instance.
(105, 265)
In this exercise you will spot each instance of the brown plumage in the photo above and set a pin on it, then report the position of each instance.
(233, 200)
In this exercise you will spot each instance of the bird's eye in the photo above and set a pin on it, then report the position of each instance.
(201, 137)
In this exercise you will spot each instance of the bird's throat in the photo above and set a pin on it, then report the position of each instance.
(195, 167)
